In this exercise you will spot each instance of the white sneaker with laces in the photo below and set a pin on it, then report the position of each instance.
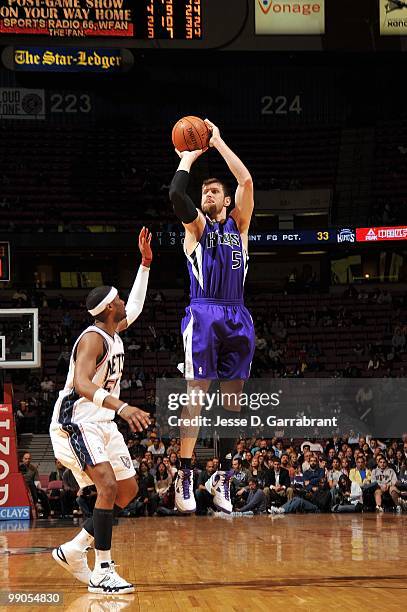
(105, 579)
(184, 491)
(219, 486)
(74, 561)
(274, 510)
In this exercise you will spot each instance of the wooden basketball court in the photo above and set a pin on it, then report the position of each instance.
(297, 562)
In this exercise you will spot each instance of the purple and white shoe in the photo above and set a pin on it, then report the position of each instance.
(184, 491)
(219, 486)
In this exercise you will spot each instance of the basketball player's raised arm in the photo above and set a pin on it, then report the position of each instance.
(244, 199)
(89, 352)
(135, 303)
(186, 211)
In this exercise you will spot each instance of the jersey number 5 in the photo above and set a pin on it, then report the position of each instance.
(236, 260)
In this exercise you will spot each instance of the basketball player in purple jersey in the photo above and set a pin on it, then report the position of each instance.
(217, 329)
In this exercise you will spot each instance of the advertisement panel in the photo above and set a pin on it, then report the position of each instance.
(18, 103)
(290, 17)
(14, 500)
(377, 234)
(393, 17)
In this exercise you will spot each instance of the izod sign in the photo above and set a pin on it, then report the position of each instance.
(290, 17)
(14, 501)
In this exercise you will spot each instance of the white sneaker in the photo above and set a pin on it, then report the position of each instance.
(219, 486)
(74, 561)
(184, 491)
(274, 510)
(105, 579)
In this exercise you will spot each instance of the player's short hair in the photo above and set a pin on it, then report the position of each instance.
(95, 297)
(225, 187)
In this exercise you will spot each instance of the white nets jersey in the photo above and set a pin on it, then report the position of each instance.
(71, 407)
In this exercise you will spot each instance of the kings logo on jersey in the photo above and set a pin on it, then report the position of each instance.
(227, 239)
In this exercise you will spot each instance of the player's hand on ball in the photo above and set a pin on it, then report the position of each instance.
(137, 419)
(144, 244)
(215, 138)
(191, 156)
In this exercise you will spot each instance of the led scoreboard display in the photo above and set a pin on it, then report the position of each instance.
(4, 261)
(139, 19)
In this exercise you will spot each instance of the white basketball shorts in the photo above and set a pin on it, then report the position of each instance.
(78, 445)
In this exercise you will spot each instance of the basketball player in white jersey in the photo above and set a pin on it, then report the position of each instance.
(84, 436)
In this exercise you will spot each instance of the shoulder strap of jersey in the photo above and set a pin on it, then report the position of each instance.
(107, 340)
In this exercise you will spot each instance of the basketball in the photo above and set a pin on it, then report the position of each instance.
(190, 134)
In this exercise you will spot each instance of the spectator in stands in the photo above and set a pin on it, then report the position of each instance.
(349, 496)
(386, 479)
(47, 388)
(19, 298)
(157, 446)
(335, 473)
(164, 488)
(58, 473)
(297, 480)
(256, 500)
(68, 494)
(313, 475)
(174, 447)
(320, 496)
(279, 483)
(173, 464)
(401, 485)
(204, 499)
(30, 474)
(398, 341)
(373, 461)
(238, 480)
(147, 494)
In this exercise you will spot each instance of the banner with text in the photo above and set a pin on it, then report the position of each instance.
(282, 17)
(378, 234)
(291, 407)
(70, 59)
(393, 17)
(14, 500)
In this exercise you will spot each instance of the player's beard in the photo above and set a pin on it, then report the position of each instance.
(209, 208)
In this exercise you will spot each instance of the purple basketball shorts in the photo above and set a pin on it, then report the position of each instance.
(219, 340)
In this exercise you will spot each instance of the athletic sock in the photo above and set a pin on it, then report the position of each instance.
(185, 463)
(102, 556)
(88, 526)
(82, 540)
(103, 524)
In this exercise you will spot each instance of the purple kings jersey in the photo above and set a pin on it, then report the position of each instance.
(218, 265)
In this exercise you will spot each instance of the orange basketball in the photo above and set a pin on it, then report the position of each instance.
(190, 134)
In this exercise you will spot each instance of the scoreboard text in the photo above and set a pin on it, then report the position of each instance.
(141, 19)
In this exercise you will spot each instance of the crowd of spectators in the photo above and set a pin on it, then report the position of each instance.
(274, 476)
(277, 355)
(275, 349)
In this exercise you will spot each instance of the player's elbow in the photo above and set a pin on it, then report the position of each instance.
(175, 195)
(247, 182)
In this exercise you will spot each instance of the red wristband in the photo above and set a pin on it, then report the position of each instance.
(146, 262)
